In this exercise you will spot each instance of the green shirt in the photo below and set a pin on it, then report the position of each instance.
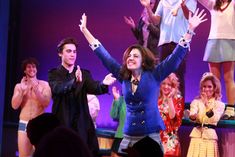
(118, 113)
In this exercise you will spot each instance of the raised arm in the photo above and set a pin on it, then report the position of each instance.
(108, 61)
(154, 18)
(135, 30)
(185, 9)
(194, 22)
(129, 21)
(117, 103)
(172, 62)
(90, 38)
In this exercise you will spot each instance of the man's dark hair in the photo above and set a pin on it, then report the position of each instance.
(61, 142)
(27, 61)
(69, 40)
(39, 126)
(145, 147)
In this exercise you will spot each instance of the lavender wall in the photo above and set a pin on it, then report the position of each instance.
(44, 23)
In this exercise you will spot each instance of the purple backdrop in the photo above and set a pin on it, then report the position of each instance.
(44, 23)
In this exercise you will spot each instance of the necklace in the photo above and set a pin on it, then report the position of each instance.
(135, 82)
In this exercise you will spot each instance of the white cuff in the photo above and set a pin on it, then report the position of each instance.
(95, 44)
(184, 43)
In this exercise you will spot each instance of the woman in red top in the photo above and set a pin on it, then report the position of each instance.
(171, 107)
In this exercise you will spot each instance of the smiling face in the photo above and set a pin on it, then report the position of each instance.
(30, 70)
(166, 87)
(208, 89)
(210, 86)
(68, 55)
(134, 60)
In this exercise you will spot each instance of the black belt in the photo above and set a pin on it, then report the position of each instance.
(205, 125)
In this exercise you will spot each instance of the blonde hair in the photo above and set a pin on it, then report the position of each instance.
(216, 83)
(174, 84)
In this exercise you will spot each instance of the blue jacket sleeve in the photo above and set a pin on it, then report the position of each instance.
(108, 61)
(170, 64)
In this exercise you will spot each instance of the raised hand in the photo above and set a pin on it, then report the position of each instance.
(129, 21)
(145, 3)
(109, 79)
(196, 19)
(83, 27)
(83, 22)
(116, 93)
(24, 85)
(204, 98)
(172, 93)
(78, 74)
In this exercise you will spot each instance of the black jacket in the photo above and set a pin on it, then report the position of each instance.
(70, 102)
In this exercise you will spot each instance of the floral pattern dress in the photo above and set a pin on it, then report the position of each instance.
(169, 136)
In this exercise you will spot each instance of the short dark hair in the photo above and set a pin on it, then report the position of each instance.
(65, 41)
(27, 61)
(39, 126)
(60, 142)
(145, 147)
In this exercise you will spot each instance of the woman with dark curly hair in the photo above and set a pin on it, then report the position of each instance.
(140, 78)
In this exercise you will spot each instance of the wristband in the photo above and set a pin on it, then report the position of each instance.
(191, 32)
(184, 43)
(94, 44)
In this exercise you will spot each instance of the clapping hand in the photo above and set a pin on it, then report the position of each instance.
(204, 99)
(192, 117)
(23, 83)
(78, 74)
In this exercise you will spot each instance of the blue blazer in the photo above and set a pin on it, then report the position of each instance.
(142, 116)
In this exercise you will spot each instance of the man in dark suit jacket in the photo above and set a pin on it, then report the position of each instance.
(70, 86)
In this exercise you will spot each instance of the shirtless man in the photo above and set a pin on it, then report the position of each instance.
(32, 96)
